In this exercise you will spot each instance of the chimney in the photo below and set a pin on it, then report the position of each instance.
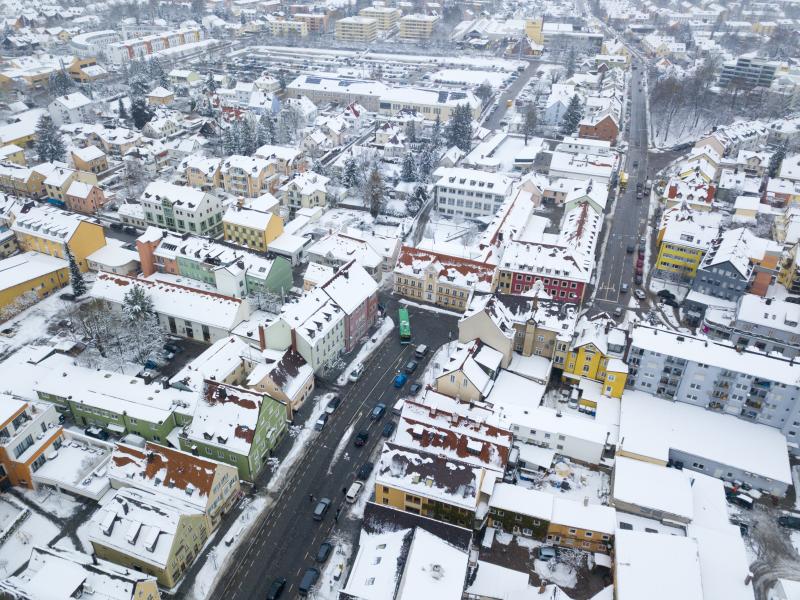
(262, 338)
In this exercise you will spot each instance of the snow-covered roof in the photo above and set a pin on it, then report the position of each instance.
(312, 315)
(89, 153)
(580, 515)
(140, 523)
(248, 217)
(48, 222)
(473, 180)
(287, 370)
(651, 427)
(187, 198)
(16, 270)
(350, 287)
(522, 501)
(430, 475)
(647, 566)
(217, 362)
(73, 101)
(215, 310)
(226, 417)
(433, 569)
(450, 269)
(167, 471)
(59, 574)
(344, 248)
(653, 488)
(306, 183)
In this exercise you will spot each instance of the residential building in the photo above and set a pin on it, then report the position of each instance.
(596, 353)
(283, 375)
(417, 27)
(748, 384)
(152, 533)
(90, 159)
(304, 190)
(211, 486)
(520, 511)
(470, 193)
(72, 108)
(286, 27)
(77, 573)
(385, 16)
(428, 484)
(356, 293)
(247, 176)
(29, 277)
(665, 432)
(321, 89)
(357, 30)
(313, 325)
(48, 230)
(188, 312)
(253, 224)
(768, 324)
(748, 71)
(160, 96)
(684, 236)
(138, 47)
(236, 426)
(602, 126)
(182, 209)
(28, 431)
(117, 403)
(470, 372)
(84, 197)
(13, 154)
(439, 279)
(202, 172)
(337, 249)
(581, 525)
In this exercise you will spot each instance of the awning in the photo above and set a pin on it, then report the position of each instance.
(115, 428)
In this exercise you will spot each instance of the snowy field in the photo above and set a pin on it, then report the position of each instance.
(22, 529)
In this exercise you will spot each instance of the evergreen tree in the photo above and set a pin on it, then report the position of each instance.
(282, 79)
(247, 140)
(459, 128)
(484, 91)
(426, 162)
(157, 74)
(211, 84)
(529, 128)
(417, 200)
(374, 192)
(408, 172)
(569, 66)
(75, 275)
(436, 133)
(121, 112)
(776, 159)
(49, 143)
(198, 8)
(137, 304)
(230, 142)
(60, 83)
(350, 176)
(572, 116)
(141, 113)
(265, 131)
(411, 132)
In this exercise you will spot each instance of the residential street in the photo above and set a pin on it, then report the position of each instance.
(284, 541)
(510, 93)
(629, 221)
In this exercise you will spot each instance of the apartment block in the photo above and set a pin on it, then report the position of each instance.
(417, 27)
(357, 30)
(387, 17)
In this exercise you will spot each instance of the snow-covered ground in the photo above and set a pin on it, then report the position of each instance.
(334, 574)
(33, 530)
(430, 308)
(56, 503)
(368, 348)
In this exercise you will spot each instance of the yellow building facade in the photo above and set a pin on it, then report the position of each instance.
(31, 273)
(679, 259)
(256, 233)
(590, 362)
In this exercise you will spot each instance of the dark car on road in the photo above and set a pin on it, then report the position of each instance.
(378, 412)
(410, 367)
(321, 508)
(364, 471)
(276, 589)
(324, 552)
(790, 522)
(388, 429)
(414, 389)
(307, 582)
(116, 226)
(361, 438)
(333, 404)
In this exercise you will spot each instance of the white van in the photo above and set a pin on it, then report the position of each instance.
(356, 373)
(354, 491)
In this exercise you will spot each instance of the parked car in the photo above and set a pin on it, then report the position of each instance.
(630, 249)
(671, 302)
(116, 226)
(364, 471)
(333, 404)
(131, 230)
(640, 295)
(276, 588)
(378, 412)
(356, 373)
(361, 438)
(400, 380)
(321, 508)
(67, 296)
(324, 552)
(421, 351)
(310, 577)
(665, 294)
(415, 388)
(618, 312)
(354, 490)
(388, 429)
(410, 367)
(546, 552)
(639, 263)
(789, 521)
(96, 433)
(320, 424)
(638, 279)
(174, 348)
(624, 288)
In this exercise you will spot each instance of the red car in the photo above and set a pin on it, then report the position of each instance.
(640, 263)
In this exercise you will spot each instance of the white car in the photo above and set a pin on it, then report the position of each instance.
(640, 295)
(356, 373)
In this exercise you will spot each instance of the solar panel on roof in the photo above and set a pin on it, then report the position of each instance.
(457, 95)
(314, 80)
(442, 97)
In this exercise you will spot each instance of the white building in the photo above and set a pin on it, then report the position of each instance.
(470, 193)
(72, 108)
(182, 209)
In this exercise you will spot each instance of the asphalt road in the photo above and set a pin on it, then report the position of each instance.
(629, 220)
(285, 540)
(510, 93)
